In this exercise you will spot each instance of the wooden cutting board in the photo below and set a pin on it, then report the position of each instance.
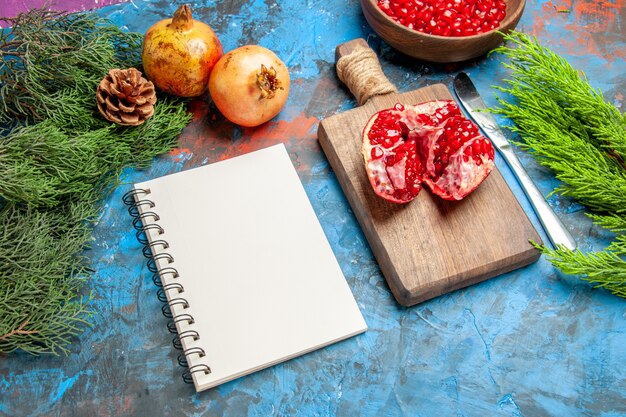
(429, 246)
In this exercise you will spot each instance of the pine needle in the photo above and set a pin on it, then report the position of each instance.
(571, 129)
(59, 160)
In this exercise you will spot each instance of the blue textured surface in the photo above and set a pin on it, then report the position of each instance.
(528, 343)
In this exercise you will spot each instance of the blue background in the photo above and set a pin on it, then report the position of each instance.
(531, 342)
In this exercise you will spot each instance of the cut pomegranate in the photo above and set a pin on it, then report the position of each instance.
(456, 158)
(431, 142)
(391, 157)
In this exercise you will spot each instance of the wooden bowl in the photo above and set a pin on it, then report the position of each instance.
(436, 48)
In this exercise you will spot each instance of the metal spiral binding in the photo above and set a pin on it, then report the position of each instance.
(145, 219)
(166, 309)
(171, 325)
(188, 373)
(177, 340)
(182, 358)
(161, 292)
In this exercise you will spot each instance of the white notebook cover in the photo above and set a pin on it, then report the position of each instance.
(258, 273)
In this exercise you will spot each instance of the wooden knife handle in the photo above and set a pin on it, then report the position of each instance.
(358, 68)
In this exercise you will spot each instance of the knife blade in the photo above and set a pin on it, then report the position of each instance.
(475, 107)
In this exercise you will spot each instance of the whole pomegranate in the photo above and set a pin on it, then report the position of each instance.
(179, 54)
(249, 85)
(431, 143)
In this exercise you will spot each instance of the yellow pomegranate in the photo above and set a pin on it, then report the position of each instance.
(179, 54)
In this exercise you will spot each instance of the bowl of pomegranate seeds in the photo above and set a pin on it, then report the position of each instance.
(443, 30)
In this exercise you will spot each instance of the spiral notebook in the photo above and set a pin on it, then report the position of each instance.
(244, 266)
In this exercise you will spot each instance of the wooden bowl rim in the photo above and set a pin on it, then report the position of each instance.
(412, 32)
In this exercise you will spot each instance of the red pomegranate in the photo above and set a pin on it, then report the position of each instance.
(431, 143)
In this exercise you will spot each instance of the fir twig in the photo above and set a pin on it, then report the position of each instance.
(46, 164)
(571, 129)
(603, 269)
(18, 331)
(43, 272)
(58, 162)
(50, 62)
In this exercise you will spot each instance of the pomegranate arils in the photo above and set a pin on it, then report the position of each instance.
(387, 131)
(446, 18)
(456, 132)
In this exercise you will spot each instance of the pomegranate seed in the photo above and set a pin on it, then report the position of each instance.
(377, 153)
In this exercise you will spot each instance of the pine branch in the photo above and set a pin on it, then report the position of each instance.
(613, 222)
(544, 73)
(570, 128)
(50, 62)
(59, 160)
(46, 164)
(18, 331)
(43, 271)
(603, 269)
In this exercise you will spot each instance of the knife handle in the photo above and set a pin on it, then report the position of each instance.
(556, 231)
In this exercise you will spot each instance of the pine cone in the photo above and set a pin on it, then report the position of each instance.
(125, 97)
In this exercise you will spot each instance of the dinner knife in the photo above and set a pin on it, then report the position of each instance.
(475, 106)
